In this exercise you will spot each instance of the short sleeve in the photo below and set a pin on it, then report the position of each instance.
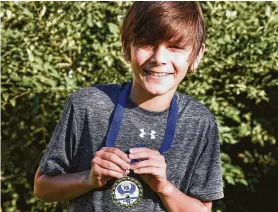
(60, 151)
(206, 183)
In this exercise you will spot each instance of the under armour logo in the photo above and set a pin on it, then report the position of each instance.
(152, 134)
(143, 133)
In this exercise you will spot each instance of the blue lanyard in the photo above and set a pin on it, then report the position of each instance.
(118, 118)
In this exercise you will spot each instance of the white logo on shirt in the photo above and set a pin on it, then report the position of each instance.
(152, 134)
(143, 133)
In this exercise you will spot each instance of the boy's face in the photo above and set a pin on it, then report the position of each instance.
(158, 69)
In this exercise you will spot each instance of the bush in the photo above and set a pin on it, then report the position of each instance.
(50, 49)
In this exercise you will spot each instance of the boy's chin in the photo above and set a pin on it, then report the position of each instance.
(157, 90)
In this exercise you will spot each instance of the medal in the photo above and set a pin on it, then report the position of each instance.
(127, 191)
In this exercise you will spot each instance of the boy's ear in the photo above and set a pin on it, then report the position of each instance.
(198, 58)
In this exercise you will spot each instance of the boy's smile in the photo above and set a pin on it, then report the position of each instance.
(158, 69)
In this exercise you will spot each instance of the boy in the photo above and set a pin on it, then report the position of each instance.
(92, 150)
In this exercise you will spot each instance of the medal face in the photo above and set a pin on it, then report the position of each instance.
(127, 192)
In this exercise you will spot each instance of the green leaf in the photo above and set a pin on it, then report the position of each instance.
(113, 28)
(5, 96)
(13, 102)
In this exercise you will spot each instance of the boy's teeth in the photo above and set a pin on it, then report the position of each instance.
(158, 74)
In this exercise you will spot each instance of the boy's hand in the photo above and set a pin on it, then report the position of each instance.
(152, 168)
(109, 162)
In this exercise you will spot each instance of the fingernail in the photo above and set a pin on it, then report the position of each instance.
(131, 156)
(131, 150)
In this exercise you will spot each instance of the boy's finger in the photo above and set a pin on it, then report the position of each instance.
(146, 155)
(108, 173)
(117, 152)
(150, 170)
(113, 158)
(148, 163)
(107, 165)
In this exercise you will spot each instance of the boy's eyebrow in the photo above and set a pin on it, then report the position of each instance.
(140, 39)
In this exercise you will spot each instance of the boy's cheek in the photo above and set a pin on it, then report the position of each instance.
(180, 58)
(141, 56)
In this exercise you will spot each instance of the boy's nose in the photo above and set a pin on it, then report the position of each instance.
(160, 55)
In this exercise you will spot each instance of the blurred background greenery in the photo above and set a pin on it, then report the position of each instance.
(50, 49)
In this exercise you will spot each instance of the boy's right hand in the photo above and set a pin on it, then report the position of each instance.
(109, 162)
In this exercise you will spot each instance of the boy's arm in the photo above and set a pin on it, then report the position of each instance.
(61, 187)
(107, 163)
(175, 200)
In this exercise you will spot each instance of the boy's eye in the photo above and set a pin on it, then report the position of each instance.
(176, 47)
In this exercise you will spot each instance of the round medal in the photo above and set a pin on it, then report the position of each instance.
(127, 192)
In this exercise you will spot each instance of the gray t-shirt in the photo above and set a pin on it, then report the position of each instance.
(193, 161)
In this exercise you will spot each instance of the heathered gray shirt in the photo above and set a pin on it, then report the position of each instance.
(193, 161)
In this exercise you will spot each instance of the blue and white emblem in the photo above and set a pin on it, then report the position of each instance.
(127, 192)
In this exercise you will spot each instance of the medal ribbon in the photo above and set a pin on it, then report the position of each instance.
(118, 118)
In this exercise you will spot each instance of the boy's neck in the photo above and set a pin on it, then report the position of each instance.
(151, 102)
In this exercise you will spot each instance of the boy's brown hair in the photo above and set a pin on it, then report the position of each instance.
(177, 23)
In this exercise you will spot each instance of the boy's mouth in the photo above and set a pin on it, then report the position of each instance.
(157, 74)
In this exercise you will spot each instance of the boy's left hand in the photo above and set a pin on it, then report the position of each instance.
(152, 167)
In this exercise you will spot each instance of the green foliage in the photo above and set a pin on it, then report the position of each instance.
(50, 49)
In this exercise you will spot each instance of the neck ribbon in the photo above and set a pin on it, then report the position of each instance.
(118, 118)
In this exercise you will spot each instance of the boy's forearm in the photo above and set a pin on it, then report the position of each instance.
(175, 200)
(62, 187)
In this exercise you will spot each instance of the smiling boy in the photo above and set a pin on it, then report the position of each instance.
(93, 144)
